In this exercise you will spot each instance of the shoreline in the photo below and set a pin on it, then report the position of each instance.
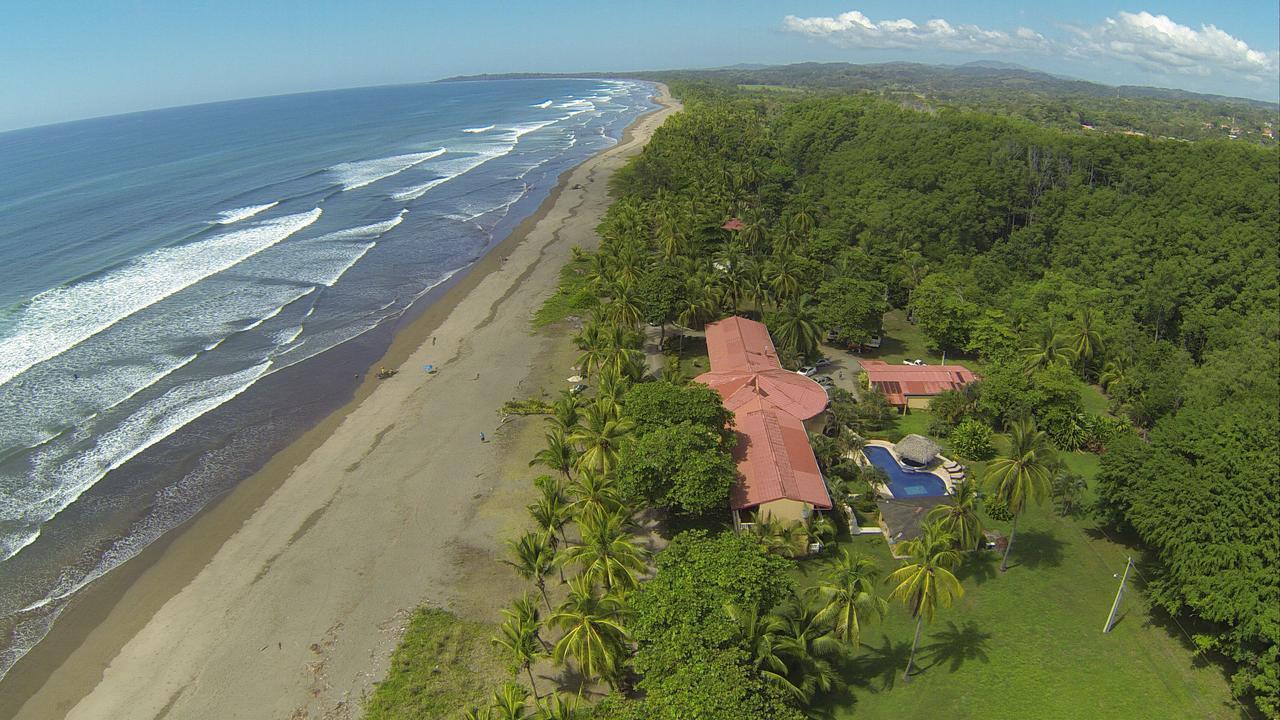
(82, 657)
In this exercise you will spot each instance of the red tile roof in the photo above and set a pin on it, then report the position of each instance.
(770, 404)
(733, 224)
(774, 459)
(898, 382)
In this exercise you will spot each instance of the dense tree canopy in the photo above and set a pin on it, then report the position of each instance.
(1055, 260)
(682, 467)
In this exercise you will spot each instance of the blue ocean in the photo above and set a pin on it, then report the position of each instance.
(185, 289)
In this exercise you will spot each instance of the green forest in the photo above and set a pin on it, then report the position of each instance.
(1059, 266)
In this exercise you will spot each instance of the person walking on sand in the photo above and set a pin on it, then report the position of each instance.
(482, 437)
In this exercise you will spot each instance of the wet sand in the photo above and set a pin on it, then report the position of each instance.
(285, 599)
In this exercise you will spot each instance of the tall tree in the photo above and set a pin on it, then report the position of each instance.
(531, 556)
(593, 633)
(607, 553)
(925, 582)
(599, 435)
(557, 454)
(960, 516)
(518, 639)
(794, 326)
(1085, 338)
(1020, 474)
(849, 597)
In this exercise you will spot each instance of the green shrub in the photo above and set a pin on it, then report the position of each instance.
(971, 440)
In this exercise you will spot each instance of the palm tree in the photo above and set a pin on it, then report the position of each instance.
(1046, 350)
(557, 707)
(926, 583)
(532, 556)
(565, 412)
(623, 307)
(1113, 373)
(784, 276)
(595, 492)
(794, 326)
(593, 633)
(594, 347)
(697, 306)
(805, 643)
(1020, 474)
(607, 554)
(1085, 342)
(599, 435)
(557, 455)
(524, 609)
(611, 386)
(960, 517)
(849, 596)
(551, 513)
(518, 639)
(509, 703)
(755, 283)
(754, 637)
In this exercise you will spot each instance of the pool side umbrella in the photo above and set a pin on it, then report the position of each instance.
(918, 449)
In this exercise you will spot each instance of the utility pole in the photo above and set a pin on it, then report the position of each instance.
(1115, 606)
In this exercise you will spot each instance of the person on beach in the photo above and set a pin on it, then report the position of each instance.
(482, 437)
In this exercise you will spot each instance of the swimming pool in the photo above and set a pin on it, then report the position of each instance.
(903, 482)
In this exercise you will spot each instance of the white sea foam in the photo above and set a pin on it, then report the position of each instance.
(450, 169)
(417, 191)
(59, 319)
(579, 104)
(358, 174)
(62, 472)
(226, 217)
(477, 129)
(544, 104)
(286, 336)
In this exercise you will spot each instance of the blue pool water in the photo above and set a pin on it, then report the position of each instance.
(903, 482)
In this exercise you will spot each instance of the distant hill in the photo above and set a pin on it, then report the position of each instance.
(998, 88)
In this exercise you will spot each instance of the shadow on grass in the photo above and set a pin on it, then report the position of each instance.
(979, 567)
(878, 668)
(955, 645)
(1036, 548)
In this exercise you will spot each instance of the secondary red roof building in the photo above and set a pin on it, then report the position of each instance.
(734, 224)
(777, 472)
(911, 386)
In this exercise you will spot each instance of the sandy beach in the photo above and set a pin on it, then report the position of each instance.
(286, 598)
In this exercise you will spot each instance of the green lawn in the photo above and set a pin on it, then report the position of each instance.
(442, 665)
(1028, 643)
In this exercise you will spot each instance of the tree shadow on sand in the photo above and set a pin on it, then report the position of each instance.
(955, 645)
(1036, 548)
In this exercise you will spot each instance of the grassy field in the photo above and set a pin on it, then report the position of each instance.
(443, 664)
(571, 295)
(1028, 643)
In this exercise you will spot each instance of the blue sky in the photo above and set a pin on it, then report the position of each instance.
(62, 60)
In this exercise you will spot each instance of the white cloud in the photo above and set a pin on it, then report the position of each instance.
(857, 30)
(1159, 44)
(1152, 42)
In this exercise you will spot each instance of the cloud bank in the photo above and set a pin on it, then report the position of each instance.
(1153, 43)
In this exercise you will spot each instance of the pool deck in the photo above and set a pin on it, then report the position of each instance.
(937, 469)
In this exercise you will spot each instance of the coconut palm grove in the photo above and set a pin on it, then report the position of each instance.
(1113, 293)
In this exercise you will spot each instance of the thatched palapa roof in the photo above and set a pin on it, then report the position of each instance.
(918, 449)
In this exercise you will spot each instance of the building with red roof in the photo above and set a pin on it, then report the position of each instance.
(911, 386)
(777, 472)
(733, 225)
